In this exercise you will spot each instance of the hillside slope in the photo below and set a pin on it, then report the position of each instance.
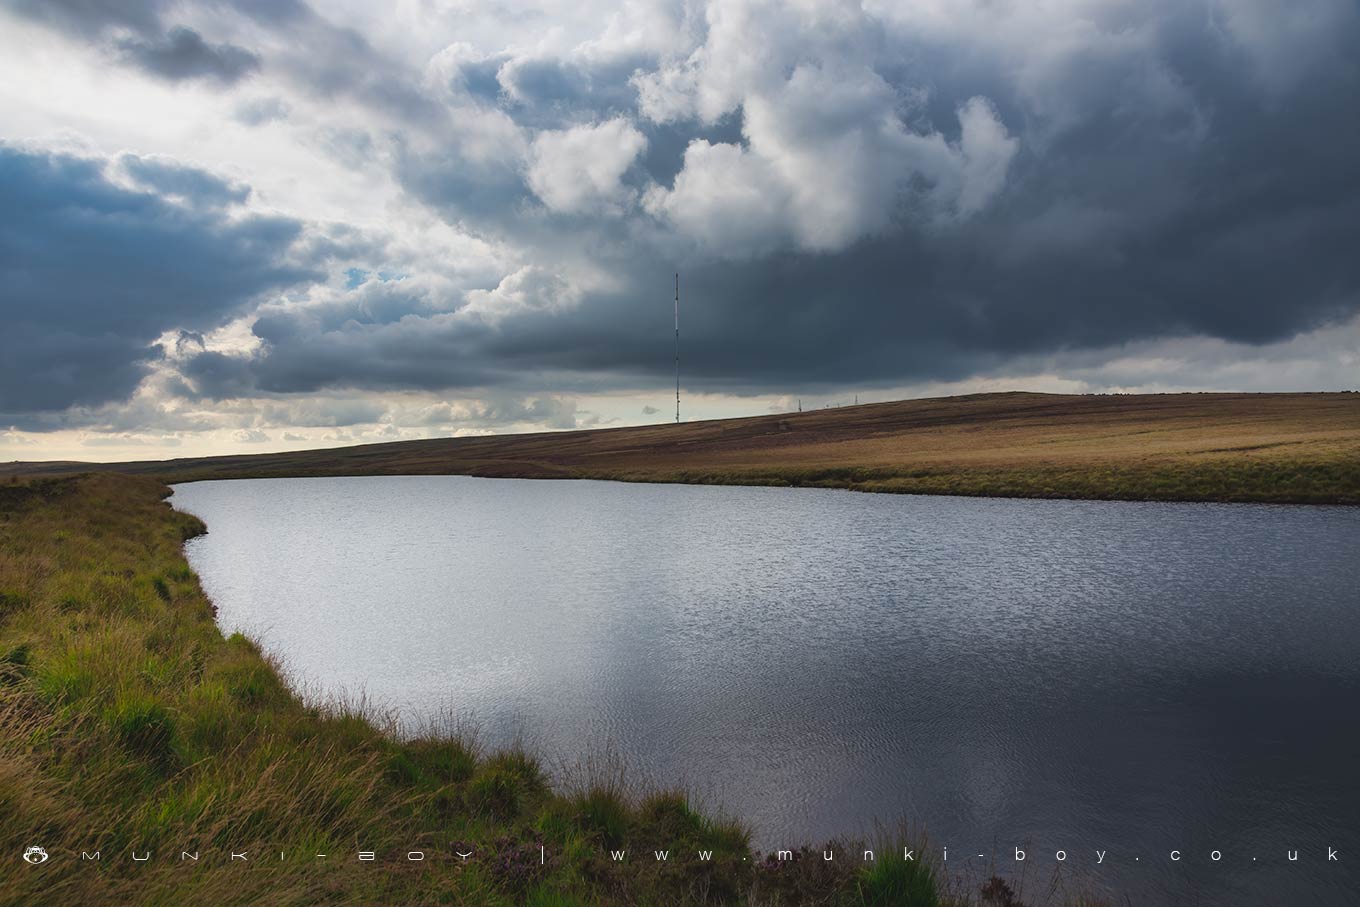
(1302, 448)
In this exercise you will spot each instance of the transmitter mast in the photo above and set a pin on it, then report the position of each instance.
(677, 347)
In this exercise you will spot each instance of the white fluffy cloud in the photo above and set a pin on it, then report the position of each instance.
(725, 199)
(527, 291)
(984, 155)
(830, 152)
(578, 170)
(820, 189)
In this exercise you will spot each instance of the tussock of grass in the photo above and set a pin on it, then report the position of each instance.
(891, 880)
(128, 722)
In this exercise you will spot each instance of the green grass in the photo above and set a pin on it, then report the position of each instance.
(893, 881)
(1227, 481)
(128, 721)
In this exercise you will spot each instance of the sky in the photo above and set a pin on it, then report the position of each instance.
(261, 225)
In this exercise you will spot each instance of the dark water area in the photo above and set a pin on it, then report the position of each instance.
(1129, 678)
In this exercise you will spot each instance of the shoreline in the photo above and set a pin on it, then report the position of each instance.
(850, 488)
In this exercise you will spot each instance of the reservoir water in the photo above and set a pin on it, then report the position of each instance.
(1049, 675)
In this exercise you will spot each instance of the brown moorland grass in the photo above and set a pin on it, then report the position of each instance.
(128, 723)
(1285, 448)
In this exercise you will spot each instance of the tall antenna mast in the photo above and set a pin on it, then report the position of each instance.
(677, 347)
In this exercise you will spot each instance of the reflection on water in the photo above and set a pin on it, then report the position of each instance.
(1130, 677)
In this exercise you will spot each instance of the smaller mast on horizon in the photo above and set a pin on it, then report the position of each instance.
(677, 347)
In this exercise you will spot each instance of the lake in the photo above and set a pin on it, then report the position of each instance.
(1134, 678)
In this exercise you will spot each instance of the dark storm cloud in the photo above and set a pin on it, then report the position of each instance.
(664, 156)
(1184, 186)
(301, 355)
(323, 58)
(181, 53)
(480, 78)
(166, 177)
(90, 18)
(1161, 175)
(260, 111)
(135, 32)
(92, 273)
(329, 60)
(483, 196)
(551, 93)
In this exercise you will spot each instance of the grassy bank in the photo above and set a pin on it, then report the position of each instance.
(1283, 448)
(128, 723)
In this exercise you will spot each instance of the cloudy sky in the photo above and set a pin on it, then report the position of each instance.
(268, 224)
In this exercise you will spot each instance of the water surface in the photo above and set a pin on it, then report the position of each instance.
(1134, 678)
